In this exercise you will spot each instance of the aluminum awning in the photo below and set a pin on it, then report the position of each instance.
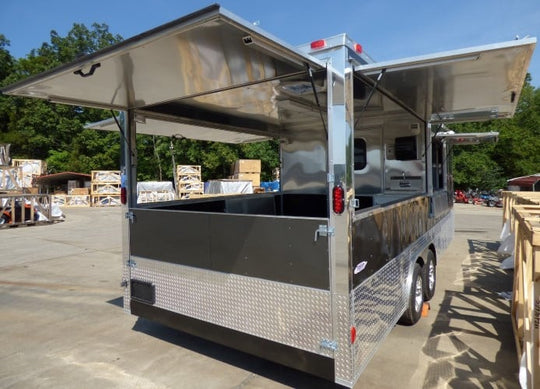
(470, 138)
(474, 84)
(181, 130)
(209, 68)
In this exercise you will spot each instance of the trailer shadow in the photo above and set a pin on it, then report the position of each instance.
(473, 321)
(247, 362)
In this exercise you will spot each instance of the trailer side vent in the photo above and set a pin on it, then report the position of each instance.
(144, 292)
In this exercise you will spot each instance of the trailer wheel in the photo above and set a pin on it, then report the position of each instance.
(416, 299)
(429, 276)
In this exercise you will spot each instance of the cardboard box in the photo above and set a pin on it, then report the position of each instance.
(255, 178)
(246, 166)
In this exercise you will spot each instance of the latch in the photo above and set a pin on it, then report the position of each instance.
(131, 216)
(354, 203)
(131, 263)
(323, 230)
(329, 344)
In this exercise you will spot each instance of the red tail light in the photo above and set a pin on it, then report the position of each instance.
(315, 45)
(123, 195)
(338, 199)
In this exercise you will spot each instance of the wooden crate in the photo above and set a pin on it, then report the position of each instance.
(189, 181)
(71, 200)
(152, 196)
(9, 178)
(29, 170)
(100, 188)
(518, 198)
(105, 176)
(526, 290)
(105, 200)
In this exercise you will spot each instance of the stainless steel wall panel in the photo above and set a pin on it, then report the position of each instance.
(292, 315)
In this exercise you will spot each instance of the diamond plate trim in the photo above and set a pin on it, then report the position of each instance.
(374, 306)
(289, 314)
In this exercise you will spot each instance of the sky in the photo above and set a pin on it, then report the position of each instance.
(387, 29)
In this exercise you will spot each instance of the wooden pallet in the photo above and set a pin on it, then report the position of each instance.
(21, 205)
(526, 290)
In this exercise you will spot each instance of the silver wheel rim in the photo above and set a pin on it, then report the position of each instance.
(431, 275)
(418, 299)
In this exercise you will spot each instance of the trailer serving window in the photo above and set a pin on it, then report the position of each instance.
(360, 154)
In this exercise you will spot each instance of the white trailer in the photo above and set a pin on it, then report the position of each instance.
(316, 275)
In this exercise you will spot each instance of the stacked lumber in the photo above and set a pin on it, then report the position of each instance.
(105, 188)
(189, 180)
(247, 170)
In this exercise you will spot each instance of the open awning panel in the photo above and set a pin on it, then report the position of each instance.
(470, 138)
(181, 130)
(475, 84)
(209, 50)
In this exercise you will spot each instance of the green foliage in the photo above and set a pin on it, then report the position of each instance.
(38, 129)
(517, 153)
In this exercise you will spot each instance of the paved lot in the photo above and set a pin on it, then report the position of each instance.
(62, 325)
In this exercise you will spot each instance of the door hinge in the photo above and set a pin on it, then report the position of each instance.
(131, 263)
(131, 216)
(329, 344)
(323, 230)
(355, 203)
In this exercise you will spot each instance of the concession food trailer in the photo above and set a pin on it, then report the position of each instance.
(313, 276)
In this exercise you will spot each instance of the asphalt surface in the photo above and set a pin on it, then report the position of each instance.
(62, 324)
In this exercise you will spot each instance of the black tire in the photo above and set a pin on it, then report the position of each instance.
(416, 299)
(429, 276)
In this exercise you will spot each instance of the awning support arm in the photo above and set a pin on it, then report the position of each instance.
(371, 92)
(310, 73)
(122, 133)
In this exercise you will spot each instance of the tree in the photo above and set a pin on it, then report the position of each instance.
(38, 129)
(488, 166)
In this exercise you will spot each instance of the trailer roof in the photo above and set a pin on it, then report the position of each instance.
(473, 84)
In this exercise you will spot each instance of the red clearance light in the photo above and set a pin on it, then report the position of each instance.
(358, 48)
(316, 45)
(353, 335)
(123, 195)
(338, 199)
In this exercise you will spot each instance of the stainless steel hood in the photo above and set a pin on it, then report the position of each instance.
(474, 84)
